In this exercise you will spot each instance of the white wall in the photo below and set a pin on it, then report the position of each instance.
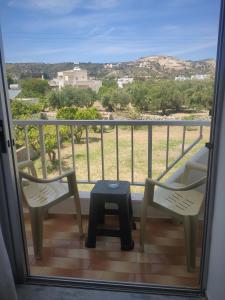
(7, 286)
(216, 277)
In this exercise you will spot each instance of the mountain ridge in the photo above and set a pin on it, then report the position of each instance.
(155, 66)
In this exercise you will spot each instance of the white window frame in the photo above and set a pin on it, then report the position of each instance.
(13, 225)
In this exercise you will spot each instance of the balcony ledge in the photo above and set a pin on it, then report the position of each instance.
(67, 207)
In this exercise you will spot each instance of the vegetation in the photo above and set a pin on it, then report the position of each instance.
(74, 113)
(140, 154)
(34, 88)
(70, 96)
(164, 96)
(159, 95)
(25, 111)
(10, 80)
(21, 110)
(132, 69)
(155, 95)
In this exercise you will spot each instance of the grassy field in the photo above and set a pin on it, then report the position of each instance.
(140, 153)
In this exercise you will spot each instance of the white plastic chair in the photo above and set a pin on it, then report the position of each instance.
(41, 194)
(182, 201)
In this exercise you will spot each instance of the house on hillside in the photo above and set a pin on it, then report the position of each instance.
(199, 77)
(14, 90)
(53, 84)
(124, 80)
(181, 78)
(78, 78)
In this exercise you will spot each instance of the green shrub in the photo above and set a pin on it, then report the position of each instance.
(74, 113)
(71, 96)
(23, 110)
(34, 88)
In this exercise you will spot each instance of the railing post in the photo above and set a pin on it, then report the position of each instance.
(73, 148)
(117, 154)
(88, 158)
(59, 148)
(27, 143)
(167, 146)
(184, 137)
(149, 151)
(132, 154)
(42, 151)
(102, 153)
(149, 125)
(200, 132)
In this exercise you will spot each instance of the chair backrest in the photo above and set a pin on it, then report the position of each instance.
(200, 157)
(28, 164)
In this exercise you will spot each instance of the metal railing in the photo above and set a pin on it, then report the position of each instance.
(149, 124)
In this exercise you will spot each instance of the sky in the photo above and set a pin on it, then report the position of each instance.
(108, 30)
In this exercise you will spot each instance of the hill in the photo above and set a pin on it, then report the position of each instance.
(144, 67)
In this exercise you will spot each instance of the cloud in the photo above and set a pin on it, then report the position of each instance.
(193, 49)
(52, 6)
(180, 3)
(62, 6)
(97, 4)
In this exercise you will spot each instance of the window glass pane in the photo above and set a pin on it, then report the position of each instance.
(120, 91)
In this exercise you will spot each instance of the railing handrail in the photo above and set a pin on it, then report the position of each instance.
(114, 122)
(149, 124)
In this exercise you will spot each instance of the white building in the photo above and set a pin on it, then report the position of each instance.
(124, 80)
(199, 76)
(14, 90)
(108, 66)
(77, 78)
(181, 78)
(14, 86)
(193, 77)
(145, 64)
(54, 83)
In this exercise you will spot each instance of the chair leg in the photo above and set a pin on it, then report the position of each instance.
(37, 217)
(144, 208)
(79, 217)
(190, 230)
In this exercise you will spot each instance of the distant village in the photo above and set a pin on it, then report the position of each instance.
(79, 78)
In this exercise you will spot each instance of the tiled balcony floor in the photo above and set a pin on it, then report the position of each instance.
(64, 254)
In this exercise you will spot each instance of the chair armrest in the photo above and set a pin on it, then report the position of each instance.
(174, 188)
(27, 164)
(38, 180)
(24, 164)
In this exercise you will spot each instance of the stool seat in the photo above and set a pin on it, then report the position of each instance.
(118, 193)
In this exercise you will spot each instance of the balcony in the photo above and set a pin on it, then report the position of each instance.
(117, 150)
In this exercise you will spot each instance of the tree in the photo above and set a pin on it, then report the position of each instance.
(71, 96)
(10, 80)
(22, 110)
(107, 85)
(115, 98)
(141, 98)
(26, 111)
(107, 101)
(34, 88)
(72, 113)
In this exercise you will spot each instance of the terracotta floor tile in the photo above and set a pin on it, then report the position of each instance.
(64, 253)
(69, 263)
(166, 280)
(115, 276)
(120, 266)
